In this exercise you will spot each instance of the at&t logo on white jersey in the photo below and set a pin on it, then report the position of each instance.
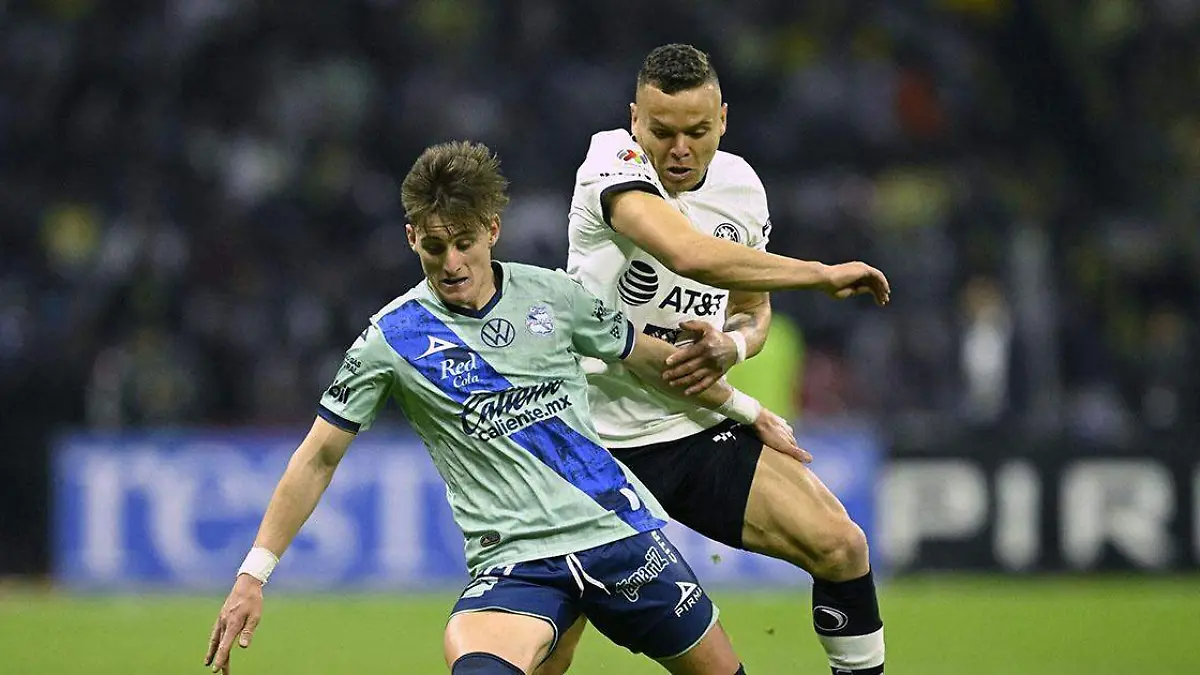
(639, 284)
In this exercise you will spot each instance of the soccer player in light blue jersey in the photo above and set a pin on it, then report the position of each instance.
(483, 358)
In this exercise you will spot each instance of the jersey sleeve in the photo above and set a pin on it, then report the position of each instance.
(362, 384)
(615, 163)
(597, 330)
(759, 227)
(760, 234)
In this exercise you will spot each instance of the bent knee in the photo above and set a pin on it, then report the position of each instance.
(840, 552)
(557, 664)
(560, 659)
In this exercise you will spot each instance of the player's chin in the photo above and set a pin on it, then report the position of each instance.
(680, 181)
(455, 290)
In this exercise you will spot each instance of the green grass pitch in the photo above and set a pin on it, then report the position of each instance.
(935, 626)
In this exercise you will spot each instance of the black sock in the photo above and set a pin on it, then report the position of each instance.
(482, 663)
(846, 618)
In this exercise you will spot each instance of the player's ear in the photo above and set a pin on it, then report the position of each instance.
(632, 119)
(724, 114)
(493, 231)
(412, 236)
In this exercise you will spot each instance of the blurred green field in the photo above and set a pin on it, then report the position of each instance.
(937, 626)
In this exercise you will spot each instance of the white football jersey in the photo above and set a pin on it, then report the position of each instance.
(729, 203)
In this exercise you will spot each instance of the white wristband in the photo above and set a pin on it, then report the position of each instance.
(741, 408)
(739, 341)
(259, 563)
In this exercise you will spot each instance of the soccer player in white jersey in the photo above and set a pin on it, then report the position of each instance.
(483, 359)
(674, 231)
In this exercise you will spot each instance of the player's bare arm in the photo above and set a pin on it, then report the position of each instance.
(648, 359)
(307, 475)
(749, 313)
(710, 352)
(665, 233)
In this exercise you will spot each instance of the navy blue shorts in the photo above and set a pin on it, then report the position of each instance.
(639, 592)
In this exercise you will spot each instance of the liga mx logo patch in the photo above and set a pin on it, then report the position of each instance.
(631, 156)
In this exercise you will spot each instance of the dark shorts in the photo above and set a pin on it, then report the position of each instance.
(639, 592)
(702, 480)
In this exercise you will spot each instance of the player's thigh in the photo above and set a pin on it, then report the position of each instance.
(790, 514)
(646, 597)
(523, 641)
(560, 659)
(517, 615)
(713, 655)
(703, 480)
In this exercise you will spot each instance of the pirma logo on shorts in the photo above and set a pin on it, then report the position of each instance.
(689, 595)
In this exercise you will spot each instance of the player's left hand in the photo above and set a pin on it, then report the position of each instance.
(857, 278)
(698, 366)
(238, 619)
(777, 434)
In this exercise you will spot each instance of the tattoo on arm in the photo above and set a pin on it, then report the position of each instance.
(742, 320)
(752, 317)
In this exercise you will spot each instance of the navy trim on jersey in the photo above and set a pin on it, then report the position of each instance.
(611, 191)
(337, 420)
(480, 313)
(570, 454)
(629, 336)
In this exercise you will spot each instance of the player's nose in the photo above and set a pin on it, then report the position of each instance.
(454, 259)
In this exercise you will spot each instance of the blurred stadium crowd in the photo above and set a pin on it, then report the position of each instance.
(200, 197)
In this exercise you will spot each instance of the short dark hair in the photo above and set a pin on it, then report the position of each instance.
(676, 67)
(459, 182)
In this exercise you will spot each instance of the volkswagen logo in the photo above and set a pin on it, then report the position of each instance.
(497, 333)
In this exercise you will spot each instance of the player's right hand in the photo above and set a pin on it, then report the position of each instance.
(857, 278)
(777, 434)
(702, 357)
(238, 619)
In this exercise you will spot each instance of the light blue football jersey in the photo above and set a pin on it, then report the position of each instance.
(500, 399)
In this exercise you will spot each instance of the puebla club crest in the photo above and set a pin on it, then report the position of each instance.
(540, 320)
